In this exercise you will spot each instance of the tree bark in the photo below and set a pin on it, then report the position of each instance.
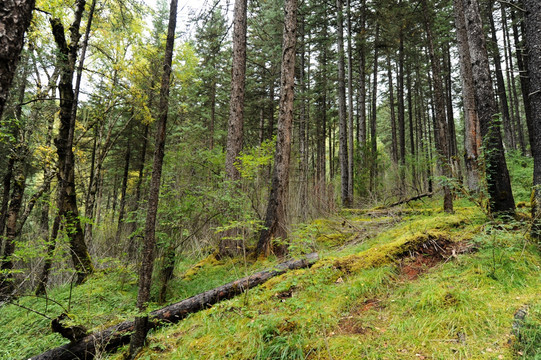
(342, 120)
(15, 17)
(497, 176)
(394, 150)
(373, 140)
(440, 125)
(472, 131)
(350, 106)
(532, 22)
(508, 130)
(511, 80)
(147, 262)
(276, 215)
(67, 203)
(522, 64)
(113, 337)
(238, 80)
(19, 182)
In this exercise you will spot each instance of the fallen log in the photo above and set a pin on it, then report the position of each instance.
(405, 201)
(114, 337)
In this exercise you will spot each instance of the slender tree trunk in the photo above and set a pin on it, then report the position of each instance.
(120, 225)
(342, 125)
(411, 127)
(522, 64)
(147, 262)
(472, 131)
(303, 165)
(276, 215)
(453, 147)
(238, 80)
(440, 125)
(394, 150)
(361, 138)
(532, 22)
(500, 83)
(497, 175)
(401, 112)
(350, 106)
(213, 112)
(511, 80)
(373, 140)
(67, 206)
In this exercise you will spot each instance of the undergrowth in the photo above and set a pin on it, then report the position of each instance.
(460, 306)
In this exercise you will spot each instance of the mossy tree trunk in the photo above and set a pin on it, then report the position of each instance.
(15, 17)
(496, 172)
(67, 196)
(533, 44)
(276, 215)
(147, 262)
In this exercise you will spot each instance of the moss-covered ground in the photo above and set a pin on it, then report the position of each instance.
(405, 283)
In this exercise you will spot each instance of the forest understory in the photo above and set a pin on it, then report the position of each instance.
(270, 179)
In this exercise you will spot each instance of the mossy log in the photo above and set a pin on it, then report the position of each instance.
(390, 252)
(118, 335)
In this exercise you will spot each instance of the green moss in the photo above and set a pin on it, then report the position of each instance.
(387, 253)
(208, 261)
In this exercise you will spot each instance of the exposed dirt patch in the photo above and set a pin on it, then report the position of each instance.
(286, 293)
(353, 322)
(430, 254)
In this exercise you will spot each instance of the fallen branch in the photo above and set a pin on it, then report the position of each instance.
(405, 201)
(112, 338)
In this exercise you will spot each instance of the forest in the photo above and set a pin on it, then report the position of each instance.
(270, 179)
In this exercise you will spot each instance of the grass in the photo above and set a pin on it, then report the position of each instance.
(460, 308)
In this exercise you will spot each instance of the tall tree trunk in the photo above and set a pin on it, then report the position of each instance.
(132, 246)
(276, 215)
(411, 127)
(532, 22)
(5, 196)
(472, 131)
(303, 164)
(440, 125)
(120, 225)
(238, 80)
(147, 259)
(511, 80)
(401, 112)
(67, 205)
(45, 207)
(350, 106)
(522, 64)
(19, 182)
(394, 150)
(497, 175)
(15, 17)
(453, 148)
(342, 125)
(500, 82)
(373, 140)
(361, 137)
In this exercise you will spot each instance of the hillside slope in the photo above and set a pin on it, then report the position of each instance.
(391, 284)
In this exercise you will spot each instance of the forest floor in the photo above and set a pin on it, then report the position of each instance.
(409, 282)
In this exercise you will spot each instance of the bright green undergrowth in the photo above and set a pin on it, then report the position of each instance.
(462, 308)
